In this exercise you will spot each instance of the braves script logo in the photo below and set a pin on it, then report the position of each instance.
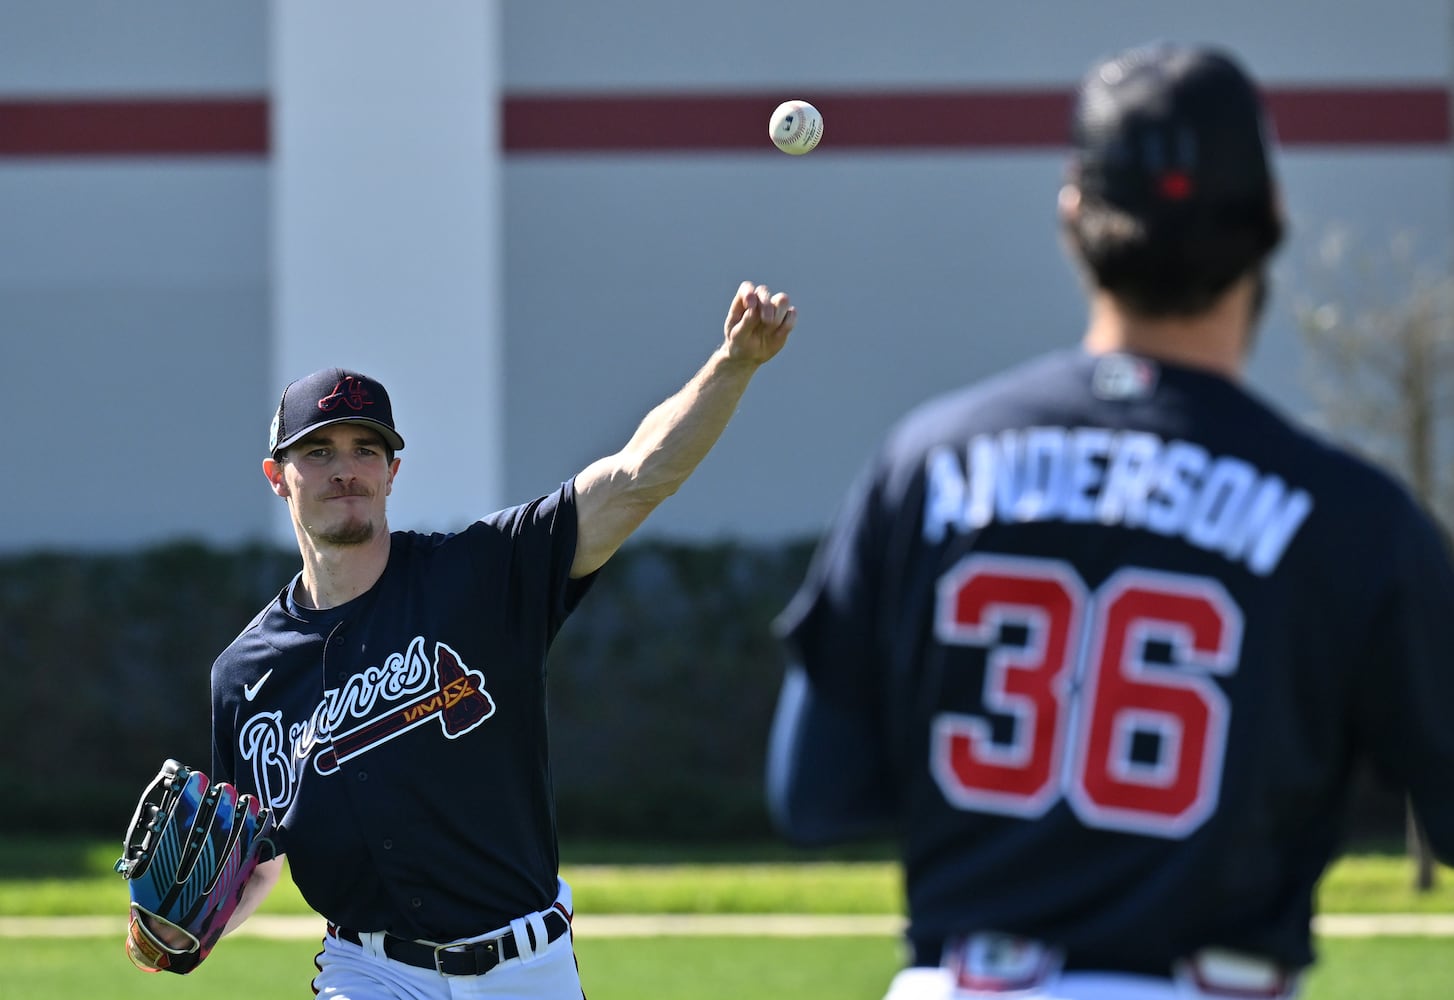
(350, 392)
(421, 690)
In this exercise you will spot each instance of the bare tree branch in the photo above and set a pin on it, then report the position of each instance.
(1380, 349)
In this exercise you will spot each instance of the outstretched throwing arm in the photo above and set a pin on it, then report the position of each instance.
(616, 493)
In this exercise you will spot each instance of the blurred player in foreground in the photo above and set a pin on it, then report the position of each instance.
(1100, 638)
(388, 707)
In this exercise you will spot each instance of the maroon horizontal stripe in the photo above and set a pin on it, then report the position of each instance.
(201, 126)
(1403, 116)
(999, 119)
(851, 121)
(657, 123)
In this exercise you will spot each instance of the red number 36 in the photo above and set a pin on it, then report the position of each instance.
(1081, 689)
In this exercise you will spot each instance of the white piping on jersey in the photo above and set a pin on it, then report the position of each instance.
(1094, 475)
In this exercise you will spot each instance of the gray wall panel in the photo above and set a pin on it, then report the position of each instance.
(135, 406)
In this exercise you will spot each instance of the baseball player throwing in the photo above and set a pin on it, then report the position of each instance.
(1102, 637)
(388, 708)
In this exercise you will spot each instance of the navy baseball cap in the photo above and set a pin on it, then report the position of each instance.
(1166, 128)
(332, 396)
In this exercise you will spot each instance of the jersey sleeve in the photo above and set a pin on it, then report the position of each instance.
(541, 538)
(1406, 694)
(829, 626)
(828, 777)
(827, 780)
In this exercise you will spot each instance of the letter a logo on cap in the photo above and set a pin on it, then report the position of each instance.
(332, 396)
(350, 392)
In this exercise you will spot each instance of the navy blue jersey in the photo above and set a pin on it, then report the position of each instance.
(401, 738)
(1108, 636)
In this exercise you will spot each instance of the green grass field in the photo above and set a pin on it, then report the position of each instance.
(705, 968)
(73, 877)
(62, 877)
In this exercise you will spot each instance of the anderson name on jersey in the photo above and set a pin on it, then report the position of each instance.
(1114, 477)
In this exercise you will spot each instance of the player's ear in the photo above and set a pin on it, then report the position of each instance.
(1068, 203)
(273, 469)
(393, 471)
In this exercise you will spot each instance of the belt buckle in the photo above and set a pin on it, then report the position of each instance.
(489, 944)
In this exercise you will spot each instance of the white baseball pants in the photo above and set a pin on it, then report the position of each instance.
(348, 971)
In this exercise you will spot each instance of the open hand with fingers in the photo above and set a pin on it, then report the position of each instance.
(758, 323)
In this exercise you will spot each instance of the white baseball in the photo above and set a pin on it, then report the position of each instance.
(795, 127)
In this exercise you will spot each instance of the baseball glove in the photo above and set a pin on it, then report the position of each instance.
(190, 849)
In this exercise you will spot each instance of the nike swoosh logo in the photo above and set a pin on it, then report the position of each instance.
(249, 691)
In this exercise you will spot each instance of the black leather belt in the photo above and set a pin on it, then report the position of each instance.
(473, 959)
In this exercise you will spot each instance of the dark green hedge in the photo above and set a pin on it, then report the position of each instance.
(105, 662)
(662, 689)
(662, 685)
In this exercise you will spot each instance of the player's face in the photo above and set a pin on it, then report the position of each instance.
(336, 481)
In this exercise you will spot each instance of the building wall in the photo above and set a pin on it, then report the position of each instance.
(134, 290)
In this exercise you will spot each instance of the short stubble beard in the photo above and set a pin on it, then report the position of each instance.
(353, 533)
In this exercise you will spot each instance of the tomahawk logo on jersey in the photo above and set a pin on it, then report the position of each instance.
(374, 706)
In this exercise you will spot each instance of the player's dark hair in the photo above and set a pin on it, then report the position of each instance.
(1173, 264)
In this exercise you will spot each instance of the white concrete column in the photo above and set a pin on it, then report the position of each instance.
(386, 230)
